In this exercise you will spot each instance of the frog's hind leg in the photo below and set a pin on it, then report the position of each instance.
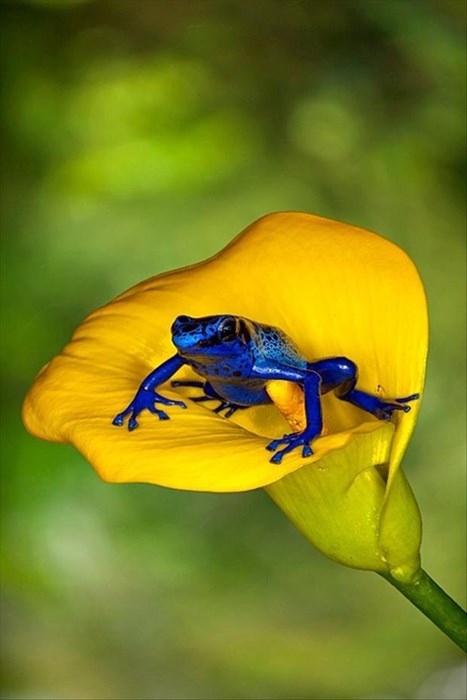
(210, 394)
(189, 383)
(229, 407)
(339, 374)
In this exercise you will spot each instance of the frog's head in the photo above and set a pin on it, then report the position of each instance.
(210, 337)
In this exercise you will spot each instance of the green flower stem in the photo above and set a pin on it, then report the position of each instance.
(433, 602)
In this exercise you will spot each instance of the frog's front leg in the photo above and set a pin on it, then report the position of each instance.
(210, 394)
(146, 397)
(314, 423)
(311, 382)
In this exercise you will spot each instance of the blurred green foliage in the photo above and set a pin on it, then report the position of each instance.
(142, 135)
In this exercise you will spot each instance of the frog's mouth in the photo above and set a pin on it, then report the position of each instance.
(186, 346)
(209, 347)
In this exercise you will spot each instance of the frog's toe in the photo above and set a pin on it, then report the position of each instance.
(120, 417)
(407, 399)
(132, 424)
(171, 402)
(230, 408)
(149, 401)
(274, 444)
(178, 383)
(162, 415)
(307, 451)
(118, 420)
(277, 458)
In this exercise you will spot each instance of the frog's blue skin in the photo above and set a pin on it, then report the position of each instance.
(237, 357)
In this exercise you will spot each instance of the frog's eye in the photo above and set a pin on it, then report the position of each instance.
(227, 330)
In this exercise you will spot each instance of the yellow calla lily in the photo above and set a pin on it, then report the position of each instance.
(335, 290)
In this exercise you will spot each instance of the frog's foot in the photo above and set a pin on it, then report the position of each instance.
(210, 395)
(145, 399)
(199, 385)
(223, 405)
(384, 409)
(230, 408)
(291, 442)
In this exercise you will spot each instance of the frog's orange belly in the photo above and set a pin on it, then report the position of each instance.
(289, 399)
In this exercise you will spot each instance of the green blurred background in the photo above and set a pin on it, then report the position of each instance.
(142, 135)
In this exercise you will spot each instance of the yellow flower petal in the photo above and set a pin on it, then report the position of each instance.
(335, 289)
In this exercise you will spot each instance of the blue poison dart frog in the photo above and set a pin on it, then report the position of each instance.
(237, 358)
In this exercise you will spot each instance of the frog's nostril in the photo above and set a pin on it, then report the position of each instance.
(185, 324)
(188, 327)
